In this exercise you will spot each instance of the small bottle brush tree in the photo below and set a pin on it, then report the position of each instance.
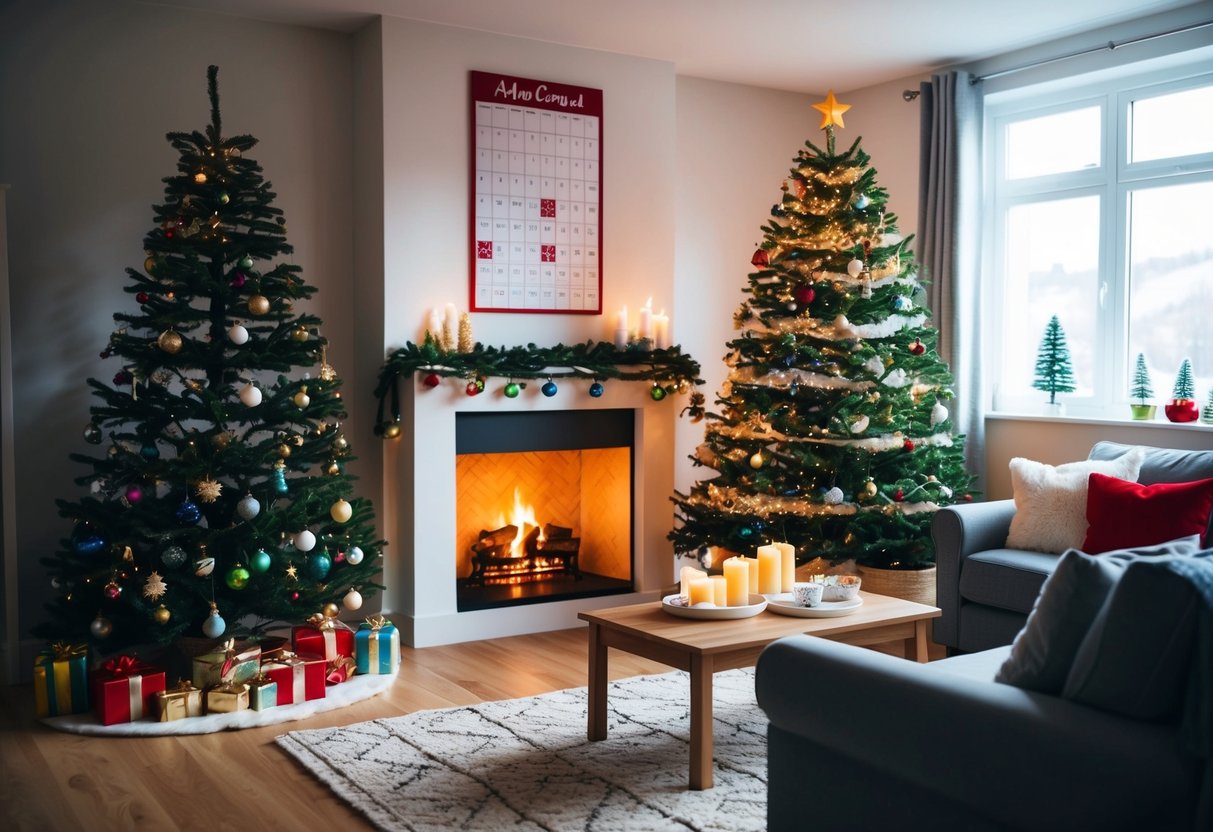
(1182, 407)
(1207, 415)
(1141, 390)
(220, 490)
(1054, 374)
(832, 432)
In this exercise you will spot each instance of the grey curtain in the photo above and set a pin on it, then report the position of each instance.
(949, 237)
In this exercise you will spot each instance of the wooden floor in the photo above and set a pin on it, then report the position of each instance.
(52, 781)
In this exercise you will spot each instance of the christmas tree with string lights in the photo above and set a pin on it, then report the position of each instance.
(832, 432)
(218, 501)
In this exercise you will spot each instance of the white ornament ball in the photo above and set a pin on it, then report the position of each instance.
(101, 627)
(341, 511)
(834, 496)
(214, 625)
(945, 491)
(860, 425)
(844, 327)
(248, 507)
(352, 600)
(204, 567)
(354, 555)
(854, 268)
(250, 395)
(939, 413)
(237, 334)
(890, 239)
(305, 541)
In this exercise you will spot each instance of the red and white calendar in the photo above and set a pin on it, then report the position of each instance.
(536, 238)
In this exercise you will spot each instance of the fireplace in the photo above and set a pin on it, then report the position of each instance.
(543, 506)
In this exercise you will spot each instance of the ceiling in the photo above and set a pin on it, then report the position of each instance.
(796, 45)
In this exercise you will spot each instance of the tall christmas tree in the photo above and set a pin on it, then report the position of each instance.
(833, 434)
(219, 501)
(1054, 373)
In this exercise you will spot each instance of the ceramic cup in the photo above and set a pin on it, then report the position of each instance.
(807, 594)
(842, 587)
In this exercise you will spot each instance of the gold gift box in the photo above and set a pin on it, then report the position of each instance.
(227, 699)
(183, 701)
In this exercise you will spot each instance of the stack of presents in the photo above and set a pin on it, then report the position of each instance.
(215, 676)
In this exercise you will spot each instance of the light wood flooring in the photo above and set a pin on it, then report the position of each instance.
(239, 780)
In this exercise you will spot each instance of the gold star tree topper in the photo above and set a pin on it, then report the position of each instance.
(831, 111)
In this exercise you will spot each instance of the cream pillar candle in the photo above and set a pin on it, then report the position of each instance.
(621, 329)
(720, 590)
(685, 576)
(770, 570)
(702, 591)
(646, 320)
(787, 563)
(737, 575)
(753, 564)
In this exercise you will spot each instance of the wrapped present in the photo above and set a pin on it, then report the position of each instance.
(262, 693)
(61, 680)
(339, 670)
(299, 678)
(377, 644)
(235, 662)
(124, 688)
(178, 702)
(323, 636)
(272, 647)
(227, 698)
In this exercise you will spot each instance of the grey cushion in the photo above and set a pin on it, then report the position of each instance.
(1134, 660)
(1069, 602)
(1006, 578)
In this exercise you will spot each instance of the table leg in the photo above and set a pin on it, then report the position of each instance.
(916, 647)
(596, 728)
(701, 722)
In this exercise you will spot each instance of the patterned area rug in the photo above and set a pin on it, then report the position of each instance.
(525, 764)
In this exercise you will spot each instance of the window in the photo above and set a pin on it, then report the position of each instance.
(1101, 213)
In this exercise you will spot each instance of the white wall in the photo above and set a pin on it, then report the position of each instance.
(87, 92)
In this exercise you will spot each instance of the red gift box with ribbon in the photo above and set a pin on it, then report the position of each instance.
(323, 636)
(299, 678)
(123, 689)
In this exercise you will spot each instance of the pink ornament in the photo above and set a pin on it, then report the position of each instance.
(238, 280)
(113, 591)
(134, 493)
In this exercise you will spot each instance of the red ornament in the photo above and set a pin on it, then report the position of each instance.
(918, 348)
(899, 495)
(1181, 410)
(473, 388)
(168, 232)
(908, 445)
(142, 297)
(968, 498)
(867, 250)
(431, 380)
(760, 259)
(804, 295)
(122, 377)
(113, 591)
(294, 596)
(238, 280)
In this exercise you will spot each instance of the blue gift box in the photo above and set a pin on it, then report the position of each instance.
(377, 647)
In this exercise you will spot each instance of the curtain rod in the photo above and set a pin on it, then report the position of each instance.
(910, 95)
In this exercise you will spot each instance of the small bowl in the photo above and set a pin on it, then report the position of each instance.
(841, 587)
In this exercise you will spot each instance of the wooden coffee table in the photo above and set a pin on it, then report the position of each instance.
(704, 647)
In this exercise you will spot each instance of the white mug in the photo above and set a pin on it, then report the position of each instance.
(807, 594)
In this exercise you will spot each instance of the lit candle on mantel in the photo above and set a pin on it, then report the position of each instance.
(720, 590)
(737, 576)
(787, 563)
(685, 576)
(621, 329)
(646, 320)
(770, 570)
(661, 330)
(702, 592)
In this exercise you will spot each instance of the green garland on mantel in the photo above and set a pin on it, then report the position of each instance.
(668, 369)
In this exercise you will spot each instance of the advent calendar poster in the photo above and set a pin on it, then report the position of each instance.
(536, 236)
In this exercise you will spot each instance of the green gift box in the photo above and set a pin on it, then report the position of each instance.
(262, 693)
(61, 680)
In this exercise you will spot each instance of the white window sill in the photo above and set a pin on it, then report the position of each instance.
(1159, 422)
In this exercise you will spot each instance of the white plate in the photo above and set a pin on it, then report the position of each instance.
(784, 605)
(675, 605)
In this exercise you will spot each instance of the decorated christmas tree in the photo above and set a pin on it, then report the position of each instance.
(1054, 374)
(832, 432)
(218, 500)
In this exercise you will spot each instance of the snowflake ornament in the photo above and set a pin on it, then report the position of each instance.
(155, 587)
(208, 490)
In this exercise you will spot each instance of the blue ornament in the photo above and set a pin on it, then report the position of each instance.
(86, 541)
(149, 451)
(745, 532)
(596, 390)
(188, 513)
(214, 625)
(318, 565)
(280, 479)
(548, 389)
(901, 303)
(862, 201)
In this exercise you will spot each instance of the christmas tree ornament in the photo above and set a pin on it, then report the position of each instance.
(305, 541)
(224, 199)
(656, 392)
(204, 567)
(238, 280)
(128, 554)
(188, 513)
(340, 443)
(85, 540)
(354, 555)
(512, 389)
(548, 389)
(330, 610)
(918, 347)
(134, 493)
(833, 497)
(301, 398)
(161, 614)
(173, 557)
(199, 178)
(859, 424)
(299, 334)
(237, 577)
(392, 430)
(902, 303)
(149, 264)
(352, 600)
(868, 490)
(804, 295)
(214, 625)
(431, 380)
(341, 511)
(149, 451)
(333, 469)
(92, 434)
(760, 259)
(260, 562)
(208, 490)
(258, 304)
(757, 460)
(596, 390)
(862, 201)
(939, 414)
(248, 507)
(221, 440)
(831, 113)
(154, 587)
(250, 395)
(170, 342)
(237, 334)
(854, 268)
(112, 591)
(292, 573)
(908, 445)
(473, 389)
(284, 450)
(280, 477)
(246, 262)
(318, 566)
(142, 297)
(101, 627)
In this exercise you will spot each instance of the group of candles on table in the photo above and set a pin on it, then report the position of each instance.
(772, 572)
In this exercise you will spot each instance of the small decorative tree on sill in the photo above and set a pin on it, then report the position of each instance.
(1054, 373)
(1141, 390)
(1207, 418)
(1182, 407)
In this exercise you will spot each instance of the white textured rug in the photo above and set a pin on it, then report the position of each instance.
(525, 764)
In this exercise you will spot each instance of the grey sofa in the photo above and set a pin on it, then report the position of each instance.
(986, 590)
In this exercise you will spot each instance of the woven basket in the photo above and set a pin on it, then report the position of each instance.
(916, 585)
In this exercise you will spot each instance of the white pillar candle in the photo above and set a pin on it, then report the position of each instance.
(770, 570)
(621, 329)
(720, 590)
(701, 592)
(685, 576)
(787, 563)
(737, 575)
(661, 329)
(646, 319)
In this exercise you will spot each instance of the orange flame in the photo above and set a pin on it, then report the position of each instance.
(521, 515)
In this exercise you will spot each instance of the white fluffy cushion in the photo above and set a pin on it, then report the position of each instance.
(1051, 501)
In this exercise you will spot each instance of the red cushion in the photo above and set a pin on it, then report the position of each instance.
(1122, 514)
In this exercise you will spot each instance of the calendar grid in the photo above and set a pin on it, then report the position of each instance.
(536, 236)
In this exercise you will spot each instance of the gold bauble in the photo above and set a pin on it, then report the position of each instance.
(868, 491)
(258, 304)
(302, 399)
(757, 461)
(334, 469)
(284, 450)
(170, 342)
(299, 333)
(391, 431)
(331, 610)
(221, 440)
(200, 178)
(149, 264)
(162, 614)
(340, 443)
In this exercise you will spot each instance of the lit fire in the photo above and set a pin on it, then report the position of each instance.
(523, 516)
